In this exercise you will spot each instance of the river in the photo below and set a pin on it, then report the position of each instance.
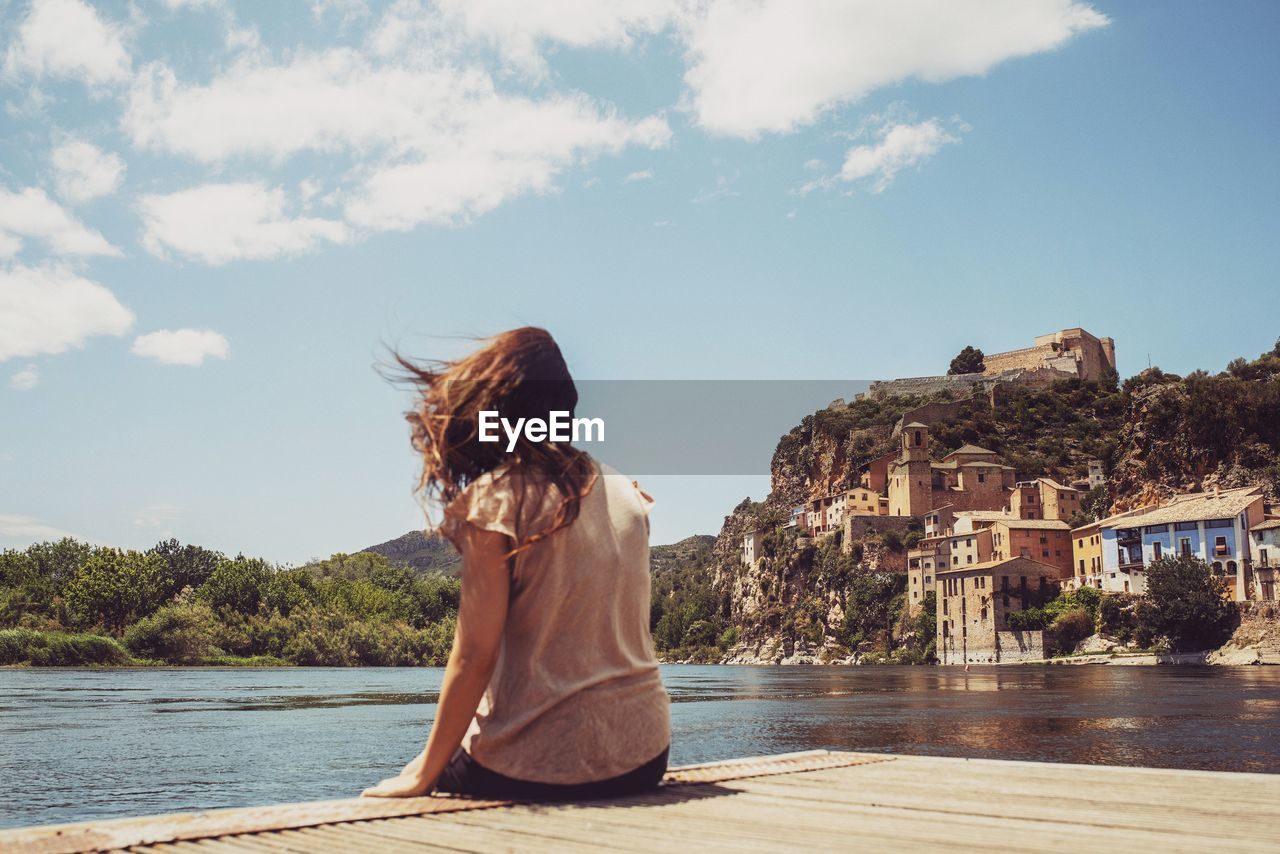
(84, 744)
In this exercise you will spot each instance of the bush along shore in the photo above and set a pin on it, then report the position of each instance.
(72, 604)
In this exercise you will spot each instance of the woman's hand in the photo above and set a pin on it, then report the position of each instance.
(404, 786)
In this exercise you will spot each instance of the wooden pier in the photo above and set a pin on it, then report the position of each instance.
(815, 800)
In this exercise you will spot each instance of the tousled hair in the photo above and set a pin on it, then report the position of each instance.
(519, 374)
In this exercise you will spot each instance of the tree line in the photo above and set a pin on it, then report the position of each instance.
(70, 603)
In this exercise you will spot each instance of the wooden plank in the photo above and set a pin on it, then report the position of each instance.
(800, 801)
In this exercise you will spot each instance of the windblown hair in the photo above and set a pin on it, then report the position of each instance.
(520, 374)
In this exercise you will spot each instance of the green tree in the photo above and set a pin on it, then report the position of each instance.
(1185, 604)
(970, 360)
(236, 584)
(188, 566)
(288, 589)
(112, 588)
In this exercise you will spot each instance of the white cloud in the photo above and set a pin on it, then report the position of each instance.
(31, 213)
(434, 142)
(509, 147)
(51, 309)
(29, 529)
(900, 146)
(217, 223)
(66, 38)
(346, 11)
(642, 175)
(181, 346)
(25, 379)
(760, 66)
(85, 172)
(518, 28)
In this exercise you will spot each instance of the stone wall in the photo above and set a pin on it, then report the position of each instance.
(962, 385)
(1020, 647)
(931, 413)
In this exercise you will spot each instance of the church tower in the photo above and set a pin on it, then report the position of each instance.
(911, 478)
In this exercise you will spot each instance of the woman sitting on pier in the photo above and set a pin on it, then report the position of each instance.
(552, 688)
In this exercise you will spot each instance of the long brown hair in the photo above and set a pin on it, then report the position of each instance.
(519, 374)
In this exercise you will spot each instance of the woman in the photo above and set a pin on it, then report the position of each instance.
(552, 689)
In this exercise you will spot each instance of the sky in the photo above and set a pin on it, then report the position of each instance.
(218, 218)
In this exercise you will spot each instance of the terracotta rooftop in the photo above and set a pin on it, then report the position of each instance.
(970, 449)
(984, 514)
(987, 565)
(1190, 508)
(1043, 524)
(1267, 525)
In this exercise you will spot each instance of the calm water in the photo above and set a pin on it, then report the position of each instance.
(80, 744)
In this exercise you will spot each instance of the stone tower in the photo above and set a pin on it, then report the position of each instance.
(911, 479)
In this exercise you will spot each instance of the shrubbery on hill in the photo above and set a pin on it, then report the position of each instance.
(70, 603)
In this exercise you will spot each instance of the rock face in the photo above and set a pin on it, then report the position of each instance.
(776, 650)
(1256, 640)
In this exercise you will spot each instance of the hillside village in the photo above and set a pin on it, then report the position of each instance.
(987, 541)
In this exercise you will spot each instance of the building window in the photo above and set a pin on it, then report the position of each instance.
(1184, 546)
(1231, 567)
(1220, 546)
(1156, 551)
(1263, 559)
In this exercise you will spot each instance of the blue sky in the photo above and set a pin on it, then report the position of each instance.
(216, 217)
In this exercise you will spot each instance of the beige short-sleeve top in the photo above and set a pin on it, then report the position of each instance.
(576, 696)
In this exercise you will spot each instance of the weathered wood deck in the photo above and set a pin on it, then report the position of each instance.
(814, 800)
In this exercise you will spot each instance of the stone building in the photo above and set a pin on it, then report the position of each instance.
(1058, 355)
(752, 544)
(1045, 540)
(974, 603)
(1213, 526)
(1073, 352)
(1265, 544)
(969, 478)
(1044, 498)
(965, 540)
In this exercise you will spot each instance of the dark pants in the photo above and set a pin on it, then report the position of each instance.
(465, 776)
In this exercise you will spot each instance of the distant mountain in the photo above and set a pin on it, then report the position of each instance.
(691, 551)
(420, 552)
(425, 553)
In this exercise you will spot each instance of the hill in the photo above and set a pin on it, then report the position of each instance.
(420, 552)
(425, 553)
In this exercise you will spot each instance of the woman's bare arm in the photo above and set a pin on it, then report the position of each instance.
(482, 612)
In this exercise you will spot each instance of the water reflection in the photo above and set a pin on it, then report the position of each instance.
(95, 743)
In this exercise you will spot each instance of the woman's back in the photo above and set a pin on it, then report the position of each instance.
(576, 669)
